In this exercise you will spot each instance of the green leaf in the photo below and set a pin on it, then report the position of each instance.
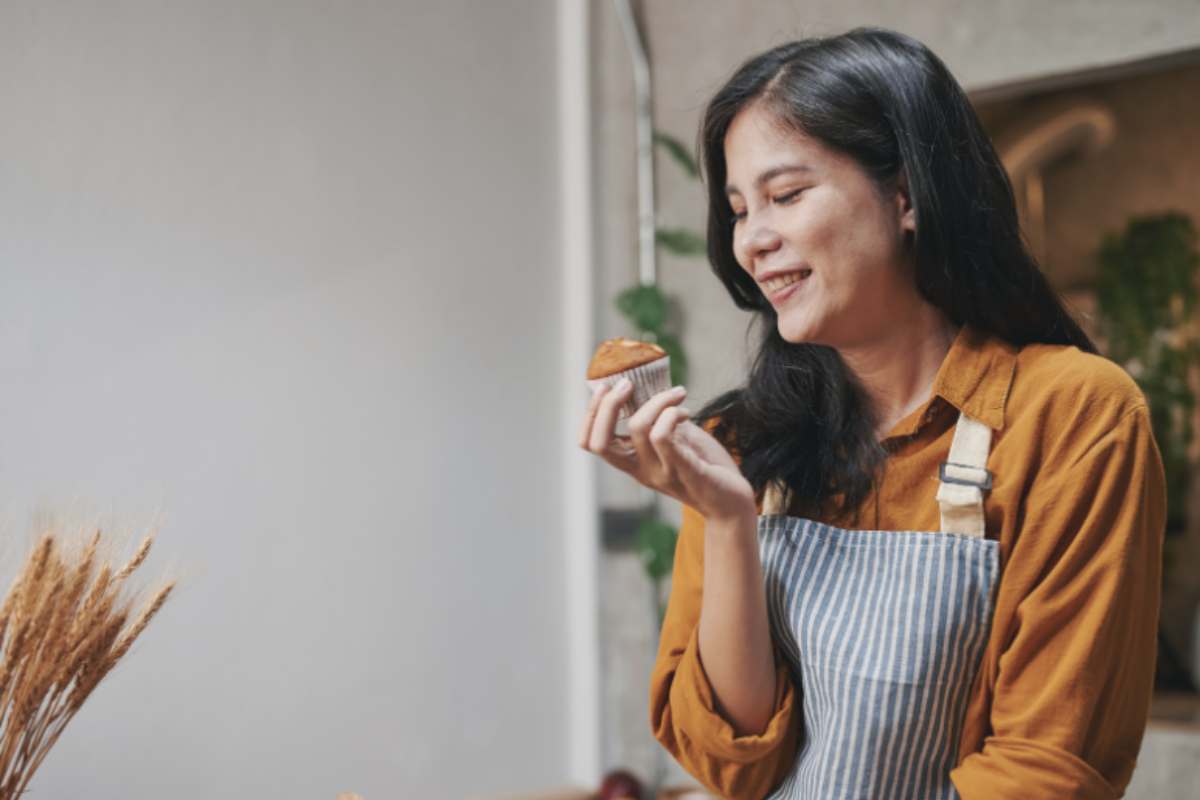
(679, 363)
(681, 241)
(678, 151)
(1145, 295)
(644, 306)
(656, 546)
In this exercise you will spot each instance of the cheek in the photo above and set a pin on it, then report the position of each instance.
(819, 225)
(863, 250)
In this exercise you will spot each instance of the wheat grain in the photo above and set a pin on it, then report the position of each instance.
(137, 559)
(129, 636)
(64, 625)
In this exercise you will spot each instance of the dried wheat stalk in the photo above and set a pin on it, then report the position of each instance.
(63, 627)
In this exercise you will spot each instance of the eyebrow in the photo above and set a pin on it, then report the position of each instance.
(773, 172)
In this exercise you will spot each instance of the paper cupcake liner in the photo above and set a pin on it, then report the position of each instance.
(648, 380)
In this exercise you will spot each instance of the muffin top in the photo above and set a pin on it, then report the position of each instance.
(619, 354)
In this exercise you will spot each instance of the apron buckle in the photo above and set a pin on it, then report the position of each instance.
(962, 474)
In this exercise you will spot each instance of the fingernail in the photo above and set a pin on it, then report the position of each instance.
(624, 384)
(679, 390)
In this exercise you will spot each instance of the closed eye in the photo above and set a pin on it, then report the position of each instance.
(781, 199)
(784, 199)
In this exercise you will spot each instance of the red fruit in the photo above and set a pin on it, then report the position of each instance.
(620, 785)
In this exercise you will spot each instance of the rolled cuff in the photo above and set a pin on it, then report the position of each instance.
(695, 710)
(1010, 767)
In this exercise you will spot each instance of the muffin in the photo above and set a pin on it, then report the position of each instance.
(647, 365)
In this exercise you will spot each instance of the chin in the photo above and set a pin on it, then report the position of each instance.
(798, 333)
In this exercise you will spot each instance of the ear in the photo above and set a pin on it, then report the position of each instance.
(904, 206)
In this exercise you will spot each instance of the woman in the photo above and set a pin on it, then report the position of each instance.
(921, 546)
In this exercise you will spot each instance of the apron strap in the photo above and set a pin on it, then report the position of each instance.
(964, 478)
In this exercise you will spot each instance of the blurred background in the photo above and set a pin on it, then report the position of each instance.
(317, 284)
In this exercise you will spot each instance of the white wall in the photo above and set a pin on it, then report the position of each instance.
(287, 271)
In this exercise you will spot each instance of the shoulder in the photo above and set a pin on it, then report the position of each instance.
(1063, 402)
(1064, 383)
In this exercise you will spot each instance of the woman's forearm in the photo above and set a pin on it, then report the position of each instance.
(735, 635)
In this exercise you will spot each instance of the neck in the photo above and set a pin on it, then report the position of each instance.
(898, 369)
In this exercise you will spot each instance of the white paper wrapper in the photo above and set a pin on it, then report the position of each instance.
(648, 380)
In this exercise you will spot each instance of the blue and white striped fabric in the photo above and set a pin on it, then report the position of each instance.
(884, 631)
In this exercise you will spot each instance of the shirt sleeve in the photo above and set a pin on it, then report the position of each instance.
(683, 714)
(1075, 680)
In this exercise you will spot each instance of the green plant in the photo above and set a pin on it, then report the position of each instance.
(1146, 293)
(656, 545)
(646, 309)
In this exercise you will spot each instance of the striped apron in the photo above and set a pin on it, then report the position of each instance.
(883, 631)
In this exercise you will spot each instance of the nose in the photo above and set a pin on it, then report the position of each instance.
(757, 240)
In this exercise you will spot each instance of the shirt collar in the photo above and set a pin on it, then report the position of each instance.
(976, 375)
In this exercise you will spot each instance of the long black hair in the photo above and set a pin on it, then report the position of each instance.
(888, 102)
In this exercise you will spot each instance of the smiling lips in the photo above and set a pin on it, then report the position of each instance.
(777, 287)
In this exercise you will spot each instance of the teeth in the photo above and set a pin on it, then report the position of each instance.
(775, 284)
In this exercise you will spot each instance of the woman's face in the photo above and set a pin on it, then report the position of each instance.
(808, 216)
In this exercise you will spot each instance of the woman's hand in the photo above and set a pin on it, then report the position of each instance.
(667, 452)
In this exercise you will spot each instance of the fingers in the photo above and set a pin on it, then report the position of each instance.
(636, 453)
(687, 464)
(662, 438)
(590, 416)
(645, 417)
(604, 420)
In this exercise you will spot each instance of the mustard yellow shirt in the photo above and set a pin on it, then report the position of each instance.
(1060, 701)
